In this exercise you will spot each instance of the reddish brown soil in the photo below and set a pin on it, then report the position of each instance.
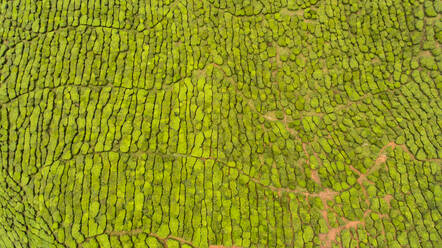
(304, 147)
(330, 237)
(315, 177)
(381, 159)
(387, 199)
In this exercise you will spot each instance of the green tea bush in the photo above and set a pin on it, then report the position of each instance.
(219, 123)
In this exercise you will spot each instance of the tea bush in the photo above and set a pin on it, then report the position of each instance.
(197, 123)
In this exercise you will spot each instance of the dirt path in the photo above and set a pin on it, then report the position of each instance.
(330, 237)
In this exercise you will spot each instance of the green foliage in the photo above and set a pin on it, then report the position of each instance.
(234, 123)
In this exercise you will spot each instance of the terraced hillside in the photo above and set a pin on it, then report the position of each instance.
(220, 123)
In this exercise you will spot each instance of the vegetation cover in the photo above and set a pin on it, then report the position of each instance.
(198, 123)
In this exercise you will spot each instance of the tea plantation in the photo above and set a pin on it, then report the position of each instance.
(220, 123)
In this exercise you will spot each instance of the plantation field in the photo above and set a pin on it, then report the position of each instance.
(220, 123)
